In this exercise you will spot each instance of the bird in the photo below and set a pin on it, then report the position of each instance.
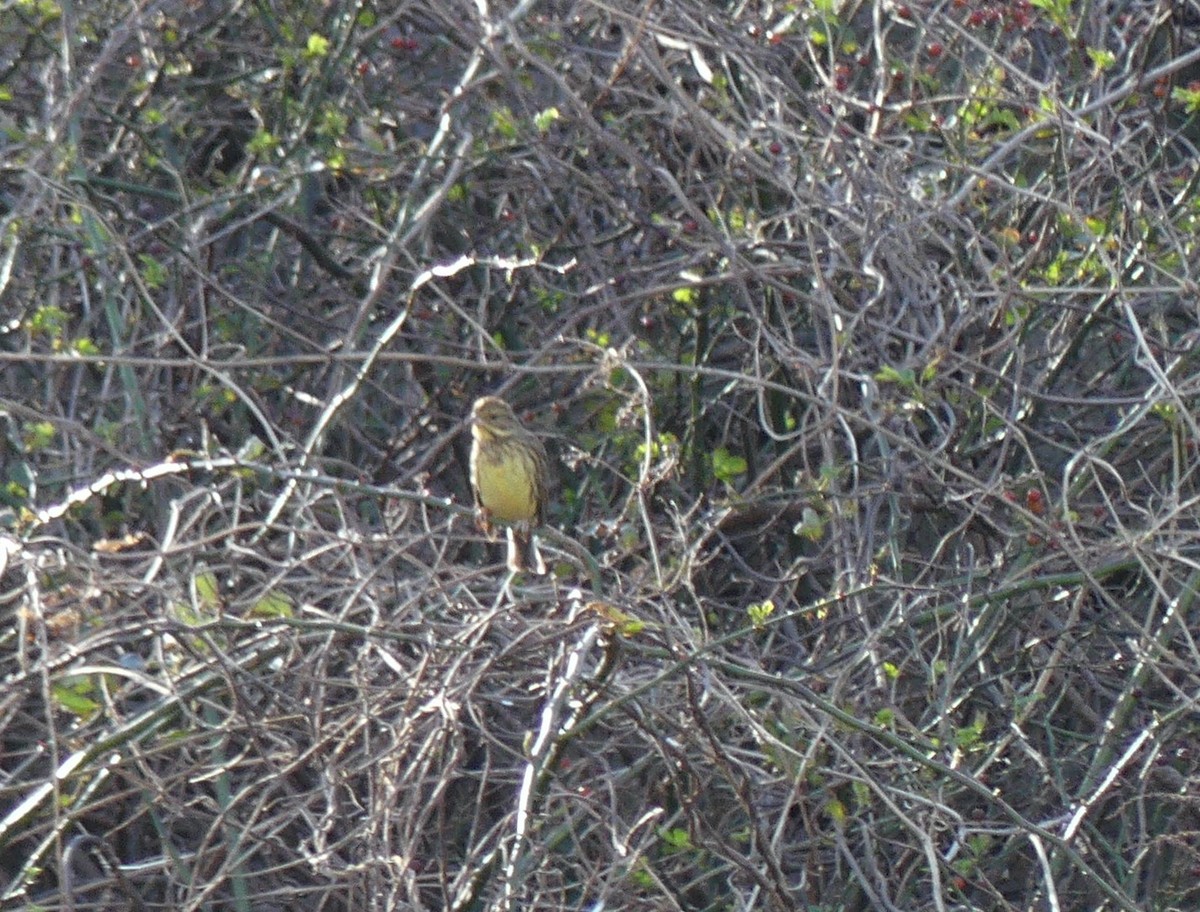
(510, 478)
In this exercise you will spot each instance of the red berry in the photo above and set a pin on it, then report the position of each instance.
(1035, 501)
(935, 50)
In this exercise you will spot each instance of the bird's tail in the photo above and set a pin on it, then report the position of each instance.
(523, 551)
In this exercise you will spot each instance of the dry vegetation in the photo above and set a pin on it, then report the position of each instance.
(865, 338)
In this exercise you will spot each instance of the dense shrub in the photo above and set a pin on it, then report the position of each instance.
(864, 337)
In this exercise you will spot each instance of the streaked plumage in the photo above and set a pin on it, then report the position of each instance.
(510, 477)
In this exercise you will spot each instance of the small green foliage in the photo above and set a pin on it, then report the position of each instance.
(759, 612)
(920, 120)
(74, 694)
(48, 322)
(37, 436)
(550, 299)
(545, 119)
(262, 143)
(457, 193)
(1059, 12)
(154, 273)
(332, 122)
(836, 811)
(929, 372)
(1188, 97)
(1101, 58)
(687, 296)
(891, 670)
(21, 476)
(214, 398)
(811, 525)
(904, 377)
(829, 474)
(663, 444)
(13, 493)
(46, 9)
(643, 878)
(317, 47)
(726, 466)
(503, 123)
(598, 338)
(885, 718)
(205, 604)
(273, 605)
(970, 736)
(676, 839)
(1056, 268)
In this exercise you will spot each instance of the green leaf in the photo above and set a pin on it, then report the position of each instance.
(726, 466)
(811, 526)
(318, 46)
(154, 273)
(759, 612)
(37, 435)
(836, 810)
(273, 605)
(72, 695)
(504, 123)
(1102, 58)
(1188, 97)
(889, 374)
(676, 838)
(261, 143)
(544, 120)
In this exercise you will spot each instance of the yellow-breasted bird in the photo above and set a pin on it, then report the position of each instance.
(510, 478)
